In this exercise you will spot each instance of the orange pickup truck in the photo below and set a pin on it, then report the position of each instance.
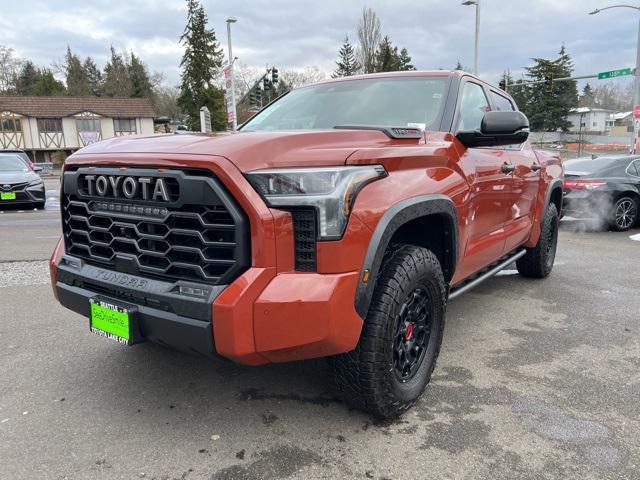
(337, 222)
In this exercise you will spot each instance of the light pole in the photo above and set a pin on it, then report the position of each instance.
(475, 53)
(636, 90)
(234, 123)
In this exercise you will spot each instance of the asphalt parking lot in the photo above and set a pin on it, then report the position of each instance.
(536, 379)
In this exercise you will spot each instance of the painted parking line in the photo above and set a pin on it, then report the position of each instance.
(635, 237)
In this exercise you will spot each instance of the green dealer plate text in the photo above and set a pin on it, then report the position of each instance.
(110, 321)
(7, 195)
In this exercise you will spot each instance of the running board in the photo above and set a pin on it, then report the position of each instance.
(465, 287)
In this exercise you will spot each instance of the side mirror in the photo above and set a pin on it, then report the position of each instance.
(497, 128)
(37, 169)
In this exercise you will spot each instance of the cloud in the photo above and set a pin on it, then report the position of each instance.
(292, 33)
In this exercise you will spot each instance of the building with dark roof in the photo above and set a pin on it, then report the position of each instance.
(44, 125)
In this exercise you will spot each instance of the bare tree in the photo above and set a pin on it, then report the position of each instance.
(369, 37)
(9, 67)
(299, 78)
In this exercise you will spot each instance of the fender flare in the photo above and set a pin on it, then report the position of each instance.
(394, 218)
(555, 184)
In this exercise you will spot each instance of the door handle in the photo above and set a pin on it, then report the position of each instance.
(507, 168)
(535, 167)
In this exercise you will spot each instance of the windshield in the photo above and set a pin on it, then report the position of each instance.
(12, 163)
(397, 102)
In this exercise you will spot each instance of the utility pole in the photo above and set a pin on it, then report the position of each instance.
(636, 94)
(234, 120)
(477, 40)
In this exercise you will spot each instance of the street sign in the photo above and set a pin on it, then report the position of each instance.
(636, 112)
(615, 73)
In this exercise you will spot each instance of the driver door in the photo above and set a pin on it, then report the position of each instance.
(489, 181)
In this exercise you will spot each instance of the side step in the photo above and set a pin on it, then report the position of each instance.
(484, 275)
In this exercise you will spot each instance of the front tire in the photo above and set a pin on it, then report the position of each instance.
(538, 261)
(401, 336)
(624, 214)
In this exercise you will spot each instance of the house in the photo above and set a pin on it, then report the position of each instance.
(590, 120)
(43, 126)
(622, 124)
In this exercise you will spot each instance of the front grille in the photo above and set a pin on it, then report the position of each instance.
(200, 235)
(304, 228)
(14, 187)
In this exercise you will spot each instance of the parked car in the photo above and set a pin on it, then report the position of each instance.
(605, 187)
(337, 222)
(23, 155)
(19, 183)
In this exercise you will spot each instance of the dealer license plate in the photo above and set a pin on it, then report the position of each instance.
(7, 195)
(110, 320)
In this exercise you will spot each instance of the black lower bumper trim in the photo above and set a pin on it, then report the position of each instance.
(166, 328)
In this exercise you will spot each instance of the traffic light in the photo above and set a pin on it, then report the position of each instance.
(258, 96)
(252, 98)
(274, 75)
(502, 85)
(266, 83)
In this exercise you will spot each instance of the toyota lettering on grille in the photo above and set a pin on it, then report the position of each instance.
(121, 187)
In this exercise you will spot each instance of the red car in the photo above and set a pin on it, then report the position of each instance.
(336, 223)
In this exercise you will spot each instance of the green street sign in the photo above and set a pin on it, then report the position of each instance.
(615, 73)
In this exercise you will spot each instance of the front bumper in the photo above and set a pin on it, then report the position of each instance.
(259, 318)
(34, 194)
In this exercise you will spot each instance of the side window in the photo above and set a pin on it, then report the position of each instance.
(501, 103)
(634, 168)
(473, 106)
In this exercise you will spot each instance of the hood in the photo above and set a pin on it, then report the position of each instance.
(17, 177)
(255, 150)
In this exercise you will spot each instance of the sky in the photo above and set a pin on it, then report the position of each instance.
(292, 34)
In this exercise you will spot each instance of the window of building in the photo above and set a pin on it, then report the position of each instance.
(124, 125)
(472, 108)
(10, 125)
(595, 124)
(88, 124)
(50, 125)
(502, 104)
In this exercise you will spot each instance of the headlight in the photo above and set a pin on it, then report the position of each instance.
(330, 190)
(36, 182)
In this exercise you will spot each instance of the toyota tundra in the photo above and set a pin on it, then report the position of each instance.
(337, 222)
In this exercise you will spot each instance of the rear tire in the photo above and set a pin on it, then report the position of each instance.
(401, 336)
(538, 261)
(624, 214)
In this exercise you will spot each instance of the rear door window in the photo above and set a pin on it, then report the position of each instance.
(634, 168)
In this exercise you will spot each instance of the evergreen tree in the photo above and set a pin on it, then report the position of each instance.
(387, 59)
(588, 97)
(29, 76)
(549, 105)
(201, 64)
(76, 76)
(47, 85)
(459, 66)
(117, 82)
(140, 82)
(348, 65)
(404, 60)
(94, 77)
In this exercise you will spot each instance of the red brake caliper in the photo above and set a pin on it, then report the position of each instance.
(408, 335)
